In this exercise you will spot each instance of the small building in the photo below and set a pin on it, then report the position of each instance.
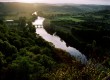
(11, 22)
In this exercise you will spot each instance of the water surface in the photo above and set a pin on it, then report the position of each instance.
(56, 40)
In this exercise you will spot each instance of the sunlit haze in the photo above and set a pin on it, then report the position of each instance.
(26, 1)
(102, 2)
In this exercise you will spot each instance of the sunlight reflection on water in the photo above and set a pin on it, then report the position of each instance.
(57, 40)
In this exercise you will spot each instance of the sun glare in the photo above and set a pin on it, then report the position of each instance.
(27, 1)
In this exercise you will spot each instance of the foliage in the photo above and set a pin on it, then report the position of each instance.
(23, 56)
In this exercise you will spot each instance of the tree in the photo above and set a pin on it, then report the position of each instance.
(46, 51)
(8, 49)
(17, 44)
(22, 21)
(2, 60)
(31, 28)
(35, 49)
(20, 68)
(1, 20)
(46, 61)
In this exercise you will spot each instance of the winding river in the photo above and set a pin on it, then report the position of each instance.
(56, 40)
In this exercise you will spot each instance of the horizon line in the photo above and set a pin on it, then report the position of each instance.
(51, 3)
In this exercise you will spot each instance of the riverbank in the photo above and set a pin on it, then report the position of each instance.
(91, 41)
(56, 41)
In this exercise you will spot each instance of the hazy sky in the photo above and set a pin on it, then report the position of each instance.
(107, 2)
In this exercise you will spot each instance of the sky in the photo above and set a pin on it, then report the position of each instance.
(102, 2)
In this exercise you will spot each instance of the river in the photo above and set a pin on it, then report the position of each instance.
(57, 41)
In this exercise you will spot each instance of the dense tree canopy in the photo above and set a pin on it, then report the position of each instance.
(23, 56)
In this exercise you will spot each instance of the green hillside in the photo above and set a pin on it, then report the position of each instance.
(24, 55)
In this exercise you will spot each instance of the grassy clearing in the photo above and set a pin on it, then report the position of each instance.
(70, 18)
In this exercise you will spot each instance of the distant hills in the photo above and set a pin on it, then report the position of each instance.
(67, 8)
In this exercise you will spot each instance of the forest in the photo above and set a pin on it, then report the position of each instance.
(24, 55)
(89, 33)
